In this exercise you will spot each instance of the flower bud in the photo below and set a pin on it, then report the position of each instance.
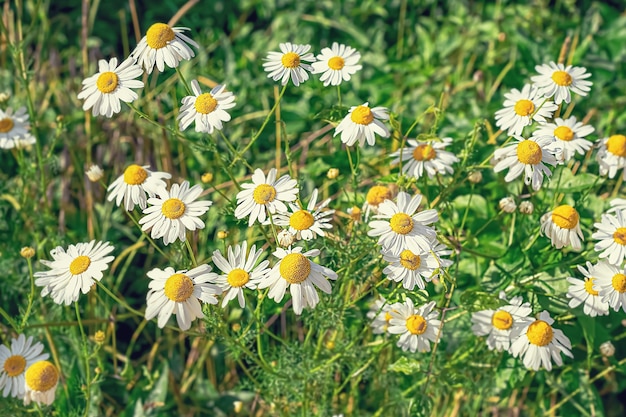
(207, 177)
(507, 204)
(526, 207)
(222, 234)
(332, 173)
(607, 349)
(99, 337)
(94, 173)
(27, 252)
(285, 239)
(475, 177)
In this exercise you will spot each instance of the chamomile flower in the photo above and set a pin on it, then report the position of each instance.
(239, 271)
(379, 313)
(522, 107)
(562, 226)
(163, 45)
(569, 137)
(400, 227)
(180, 293)
(14, 361)
(363, 124)
(208, 110)
(410, 268)
(265, 194)
(429, 157)
(41, 380)
(74, 271)
(336, 64)
(14, 128)
(557, 80)
(104, 90)
(611, 156)
(586, 292)
(374, 197)
(528, 157)
(289, 63)
(498, 324)
(296, 271)
(133, 186)
(307, 223)
(417, 327)
(174, 212)
(611, 234)
(611, 284)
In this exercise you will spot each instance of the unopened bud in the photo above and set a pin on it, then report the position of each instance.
(207, 177)
(94, 173)
(332, 173)
(475, 177)
(607, 349)
(27, 252)
(526, 207)
(355, 213)
(330, 345)
(285, 239)
(4, 97)
(236, 327)
(99, 336)
(507, 204)
(222, 234)
(237, 406)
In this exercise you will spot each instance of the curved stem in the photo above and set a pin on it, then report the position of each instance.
(31, 296)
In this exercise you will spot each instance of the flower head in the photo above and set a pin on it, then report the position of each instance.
(41, 380)
(569, 137)
(208, 110)
(133, 186)
(363, 124)
(611, 233)
(528, 157)
(557, 80)
(562, 226)
(379, 313)
(14, 129)
(612, 155)
(417, 327)
(306, 223)
(521, 108)
(375, 196)
(15, 360)
(428, 157)
(586, 292)
(289, 63)
(336, 64)
(410, 268)
(498, 324)
(610, 284)
(163, 45)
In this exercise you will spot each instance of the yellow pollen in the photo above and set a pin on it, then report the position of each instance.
(178, 288)
(564, 133)
(295, 268)
(159, 35)
(290, 60)
(416, 324)
(135, 175)
(589, 286)
(362, 115)
(401, 223)
(336, 63)
(619, 283)
(377, 194)
(387, 316)
(617, 145)
(238, 277)
(264, 194)
(502, 320)
(14, 365)
(424, 152)
(529, 152)
(80, 265)
(205, 103)
(41, 376)
(562, 78)
(539, 333)
(6, 125)
(524, 107)
(619, 236)
(107, 82)
(409, 260)
(301, 220)
(173, 208)
(566, 217)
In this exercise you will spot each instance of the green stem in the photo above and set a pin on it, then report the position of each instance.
(130, 216)
(31, 296)
(339, 94)
(119, 300)
(353, 170)
(182, 79)
(86, 357)
(9, 319)
(191, 255)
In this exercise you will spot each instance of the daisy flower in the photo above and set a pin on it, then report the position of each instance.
(426, 156)
(163, 45)
(374, 197)
(403, 228)
(134, 184)
(265, 194)
(612, 155)
(288, 63)
(379, 313)
(41, 382)
(363, 123)
(612, 237)
(74, 271)
(528, 157)
(522, 107)
(174, 212)
(583, 292)
(569, 137)
(239, 271)
(410, 268)
(15, 361)
(14, 127)
(208, 110)
(337, 63)
(537, 340)
(611, 284)
(498, 324)
(562, 226)
(296, 271)
(557, 80)
(417, 326)
(307, 223)
(180, 293)
(112, 83)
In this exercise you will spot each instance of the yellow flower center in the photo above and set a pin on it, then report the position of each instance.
(619, 236)
(264, 194)
(295, 268)
(566, 217)
(409, 260)
(562, 78)
(173, 208)
(416, 324)
(301, 220)
(362, 115)
(619, 283)
(290, 60)
(529, 152)
(336, 63)
(401, 223)
(80, 265)
(424, 152)
(589, 286)
(238, 278)
(6, 125)
(524, 107)
(564, 133)
(178, 288)
(539, 333)
(617, 145)
(502, 320)
(377, 194)
(41, 376)
(159, 35)
(205, 103)
(387, 316)
(107, 82)
(14, 365)
(135, 175)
